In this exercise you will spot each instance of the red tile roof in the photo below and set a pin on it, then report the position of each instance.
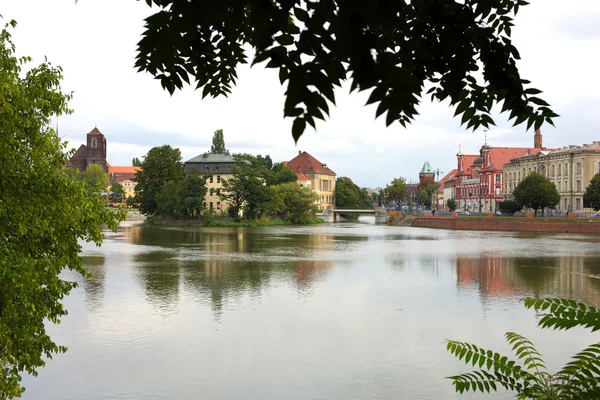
(122, 170)
(502, 155)
(306, 164)
(449, 175)
(302, 177)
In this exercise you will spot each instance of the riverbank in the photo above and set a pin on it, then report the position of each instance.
(224, 222)
(548, 225)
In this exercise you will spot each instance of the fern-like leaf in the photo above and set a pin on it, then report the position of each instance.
(564, 314)
(526, 351)
(505, 372)
(579, 378)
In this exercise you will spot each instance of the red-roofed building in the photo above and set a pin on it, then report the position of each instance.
(125, 175)
(478, 182)
(315, 175)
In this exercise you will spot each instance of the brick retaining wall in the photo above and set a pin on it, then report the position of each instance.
(498, 224)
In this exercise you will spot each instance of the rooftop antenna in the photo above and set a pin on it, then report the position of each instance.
(485, 133)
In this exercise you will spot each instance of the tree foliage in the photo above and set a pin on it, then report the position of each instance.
(162, 164)
(294, 202)
(591, 197)
(247, 190)
(218, 143)
(349, 195)
(95, 178)
(136, 162)
(536, 192)
(397, 190)
(509, 206)
(397, 50)
(452, 204)
(281, 174)
(527, 375)
(46, 211)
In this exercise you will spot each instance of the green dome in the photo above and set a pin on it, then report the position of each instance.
(426, 168)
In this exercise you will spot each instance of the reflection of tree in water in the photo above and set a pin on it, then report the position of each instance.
(541, 276)
(235, 263)
(94, 285)
(158, 272)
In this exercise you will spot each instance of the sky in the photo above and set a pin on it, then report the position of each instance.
(94, 41)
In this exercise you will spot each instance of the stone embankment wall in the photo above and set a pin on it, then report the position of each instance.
(498, 224)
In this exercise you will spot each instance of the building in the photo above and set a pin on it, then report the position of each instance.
(219, 167)
(427, 175)
(321, 179)
(125, 176)
(446, 190)
(571, 169)
(478, 182)
(94, 152)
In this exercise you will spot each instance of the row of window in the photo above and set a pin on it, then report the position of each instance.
(215, 167)
(327, 199)
(558, 169)
(218, 205)
(558, 184)
(210, 180)
(214, 191)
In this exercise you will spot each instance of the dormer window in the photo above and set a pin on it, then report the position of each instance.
(94, 143)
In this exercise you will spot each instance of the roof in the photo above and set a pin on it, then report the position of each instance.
(122, 169)
(302, 177)
(95, 131)
(306, 163)
(212, 158)
(448, 176)
(502, 155)
(426, 168)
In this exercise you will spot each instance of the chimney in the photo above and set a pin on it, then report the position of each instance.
(537, 139)
(299, 152)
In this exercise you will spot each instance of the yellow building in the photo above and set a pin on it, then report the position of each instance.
(317, 176)
(570, 169)
(219, 167)
(125, 175)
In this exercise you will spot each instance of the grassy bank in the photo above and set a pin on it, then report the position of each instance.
(227, 222)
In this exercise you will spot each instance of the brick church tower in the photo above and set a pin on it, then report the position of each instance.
(537, 139)
(426, 175)
(94, 152)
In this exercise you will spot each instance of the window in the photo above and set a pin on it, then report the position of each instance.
(218, 178)
(210, 179)
(577, 203)
(498, 178)
(218, 205)
(559, 186)
(211, 205)
(218, 192)
(206, 167)
(552, 171)
(94, 143)
(566, 169)
(578, 168)
(579, 186)
(566, 206)
(566, 186)
(212, 191)
(559, 168)
(216, 167)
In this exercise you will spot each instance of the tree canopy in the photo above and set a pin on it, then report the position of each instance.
(591, 197)
(536, 192)
(95, 178)
(281, 174)
(294, 202)
(397, 190)
(218, 143)
(136, 162)
(161, 165)
(452, 204)
(349, 195)
(45, 214)
(400, 51)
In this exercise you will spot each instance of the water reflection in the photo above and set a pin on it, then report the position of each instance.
(221, 265)
(574, 277)
(94, 285)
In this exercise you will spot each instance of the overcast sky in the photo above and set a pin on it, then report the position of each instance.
(95, 41)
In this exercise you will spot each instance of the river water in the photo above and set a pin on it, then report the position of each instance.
(334, 311)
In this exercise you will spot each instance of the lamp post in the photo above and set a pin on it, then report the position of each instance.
(480, 197)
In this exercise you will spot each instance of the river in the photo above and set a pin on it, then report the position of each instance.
(334, 311)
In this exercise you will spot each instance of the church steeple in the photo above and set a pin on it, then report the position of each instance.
(537, 139)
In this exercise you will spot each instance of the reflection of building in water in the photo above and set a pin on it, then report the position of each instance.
(542, 276)
(309, 267)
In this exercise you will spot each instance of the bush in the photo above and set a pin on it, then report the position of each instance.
(509, 206)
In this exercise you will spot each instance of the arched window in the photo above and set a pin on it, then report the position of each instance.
(94, 143)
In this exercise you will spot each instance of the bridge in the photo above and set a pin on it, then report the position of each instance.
(332, 214)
